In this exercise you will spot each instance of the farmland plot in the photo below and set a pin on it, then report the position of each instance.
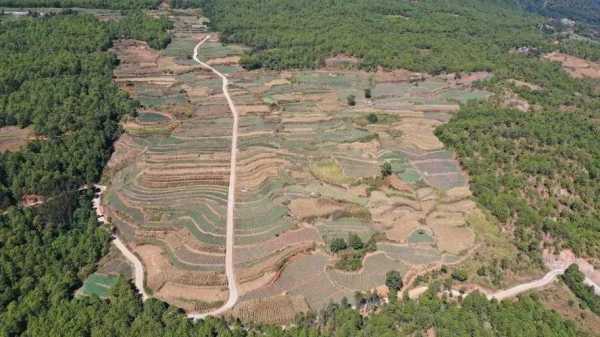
(308, 171)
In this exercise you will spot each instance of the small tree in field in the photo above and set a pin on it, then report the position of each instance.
(337, 244)
(351, 99)
(372, 118)
(393, 280)
(386, 169)
(368, 93)
(355, 242)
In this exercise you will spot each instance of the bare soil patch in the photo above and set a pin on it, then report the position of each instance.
(305, 208)
(418, 133)
(12, 138)
(575, 66)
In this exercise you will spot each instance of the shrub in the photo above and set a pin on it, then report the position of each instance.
(393, 279)
(351, 99)
(337, 244)
(372, 118)
(355, 242)
(386, 169)
(460, 275)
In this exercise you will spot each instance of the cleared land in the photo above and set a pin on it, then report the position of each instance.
(12, 138)
(307, 171)
(575, 66)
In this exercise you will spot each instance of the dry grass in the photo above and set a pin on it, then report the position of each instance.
(314, 208)
(575, 66)
(418, 133)
(280, 309)
(330, 172)
(12, 138)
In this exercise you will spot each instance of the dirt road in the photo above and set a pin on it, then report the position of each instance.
(232, 284)
(523, 287)
(138, 268)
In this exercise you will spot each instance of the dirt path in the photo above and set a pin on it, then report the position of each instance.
(523, 287)
(232, 284)
(138, 268)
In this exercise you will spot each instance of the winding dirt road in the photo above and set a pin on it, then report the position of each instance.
(523, 287)
(231, 282)
(138, 267)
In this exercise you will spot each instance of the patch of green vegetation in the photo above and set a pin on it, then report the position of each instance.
(330, 172)
(420, 236)
(574, 280)
(351, 252)
(99, 285)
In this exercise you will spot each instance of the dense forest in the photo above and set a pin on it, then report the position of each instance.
(430, 36)
(56, 76)
(537, 170)
(585, 10)
(124, 315)
(105, 4)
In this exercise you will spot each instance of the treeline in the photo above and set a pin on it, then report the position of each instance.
(539, 170)
(104, 4)
(123, 314)
(581, 10)
(429, 36)
(574, 278)
(56, 77)
(186, 3)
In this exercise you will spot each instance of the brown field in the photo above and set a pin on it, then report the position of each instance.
(12, 138)
(280, 309)
(576, 67)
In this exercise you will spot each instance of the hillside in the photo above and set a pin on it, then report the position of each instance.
(579, 10)
(397, 164)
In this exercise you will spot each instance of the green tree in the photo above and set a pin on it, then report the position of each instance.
(351, 100)
(386, 169)
(372, 118)
(337, 245)
(355, 241)
(393, 279)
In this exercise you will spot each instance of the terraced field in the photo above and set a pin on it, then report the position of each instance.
(308, 171)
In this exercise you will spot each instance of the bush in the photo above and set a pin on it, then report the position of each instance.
(367, 93)
(351, 99)
(386, 169)
(338, 244)
(393, 280)
(372, 118)
(355, 242)
(460, 275)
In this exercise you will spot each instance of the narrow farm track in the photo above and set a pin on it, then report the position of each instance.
(231, 282)
(138, 267)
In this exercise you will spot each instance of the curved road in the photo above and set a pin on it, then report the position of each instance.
(523, 287)
(138, 268)
(233, 290)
